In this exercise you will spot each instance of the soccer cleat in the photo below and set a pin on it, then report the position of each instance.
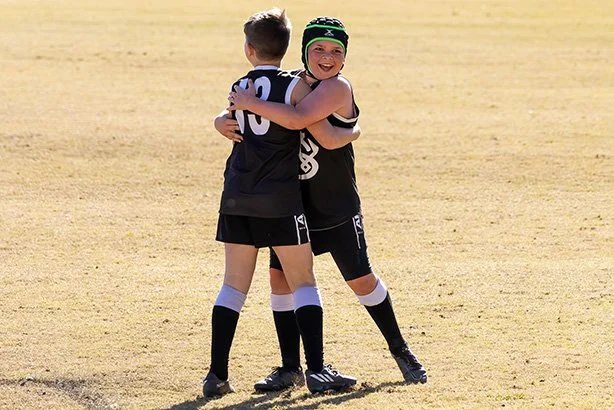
(328, 379)
(212, 386)
(413, 371)
(281, 379)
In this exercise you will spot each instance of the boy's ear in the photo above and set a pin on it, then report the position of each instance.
(251, 51)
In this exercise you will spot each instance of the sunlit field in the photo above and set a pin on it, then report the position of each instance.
(485, 167)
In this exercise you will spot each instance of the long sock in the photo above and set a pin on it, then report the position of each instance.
(310, 317)
(288, 334)
(289, 338)
(224, 320)
(385, 319)
(223, 326)
(310, 321)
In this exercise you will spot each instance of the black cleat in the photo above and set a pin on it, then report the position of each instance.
(413, 371)
(328, 379)
(212, 386)
(281, 379)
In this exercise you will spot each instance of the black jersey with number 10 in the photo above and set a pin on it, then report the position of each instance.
(261, 176)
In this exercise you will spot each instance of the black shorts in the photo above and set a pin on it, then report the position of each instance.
(347, 245)
(262, 232)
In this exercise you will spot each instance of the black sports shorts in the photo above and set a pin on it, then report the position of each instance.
(347, 245)
(262, 232)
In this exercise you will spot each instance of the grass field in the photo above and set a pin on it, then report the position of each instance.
(486, 170)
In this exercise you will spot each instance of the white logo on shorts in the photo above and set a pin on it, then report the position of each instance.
(307, 156)
(358, 229)
(301, 229)
(301, 219)
(358, 223)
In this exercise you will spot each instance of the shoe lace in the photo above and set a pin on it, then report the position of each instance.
(330, 368)
(275, 371)
(408, 356)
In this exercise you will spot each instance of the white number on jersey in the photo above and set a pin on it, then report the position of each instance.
(258, 128)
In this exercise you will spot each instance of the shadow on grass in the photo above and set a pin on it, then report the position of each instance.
(286, 401)
(77, 390)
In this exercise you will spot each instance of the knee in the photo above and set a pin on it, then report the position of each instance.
(363, 285)
(238, 282)
(279, 284)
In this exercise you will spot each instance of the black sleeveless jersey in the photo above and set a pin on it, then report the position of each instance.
(261, 176)
(328, 179)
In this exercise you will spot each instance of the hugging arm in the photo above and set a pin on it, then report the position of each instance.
(331, 137)
(228, 127)
(326, 99)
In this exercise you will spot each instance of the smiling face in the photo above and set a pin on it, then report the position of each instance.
(325, 58)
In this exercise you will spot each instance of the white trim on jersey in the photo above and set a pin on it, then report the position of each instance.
(266, 67)
(346, 120)
(289, 90)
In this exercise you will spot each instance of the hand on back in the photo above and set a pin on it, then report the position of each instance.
(240, 98)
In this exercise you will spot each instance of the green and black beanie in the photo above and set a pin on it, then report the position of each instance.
(323, 28)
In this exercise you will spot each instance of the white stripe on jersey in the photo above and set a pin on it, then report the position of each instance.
(267, 67)
(289, 90)
(346, 120)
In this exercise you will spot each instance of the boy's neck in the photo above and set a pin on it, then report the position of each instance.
(256, 62)
(308, 79)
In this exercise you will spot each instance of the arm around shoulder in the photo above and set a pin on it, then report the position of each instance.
(283, 114)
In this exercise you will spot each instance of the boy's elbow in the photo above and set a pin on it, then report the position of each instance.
(328, 143)
(296, 124)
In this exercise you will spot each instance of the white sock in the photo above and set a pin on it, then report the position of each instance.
(306, 296)
(282, 303)
(230, 298)
(377, 296)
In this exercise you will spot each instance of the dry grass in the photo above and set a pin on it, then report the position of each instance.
(486, 169)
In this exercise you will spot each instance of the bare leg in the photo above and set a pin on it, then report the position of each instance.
(297, 263)
(240, 266)
(279, 284)
(363, 285)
